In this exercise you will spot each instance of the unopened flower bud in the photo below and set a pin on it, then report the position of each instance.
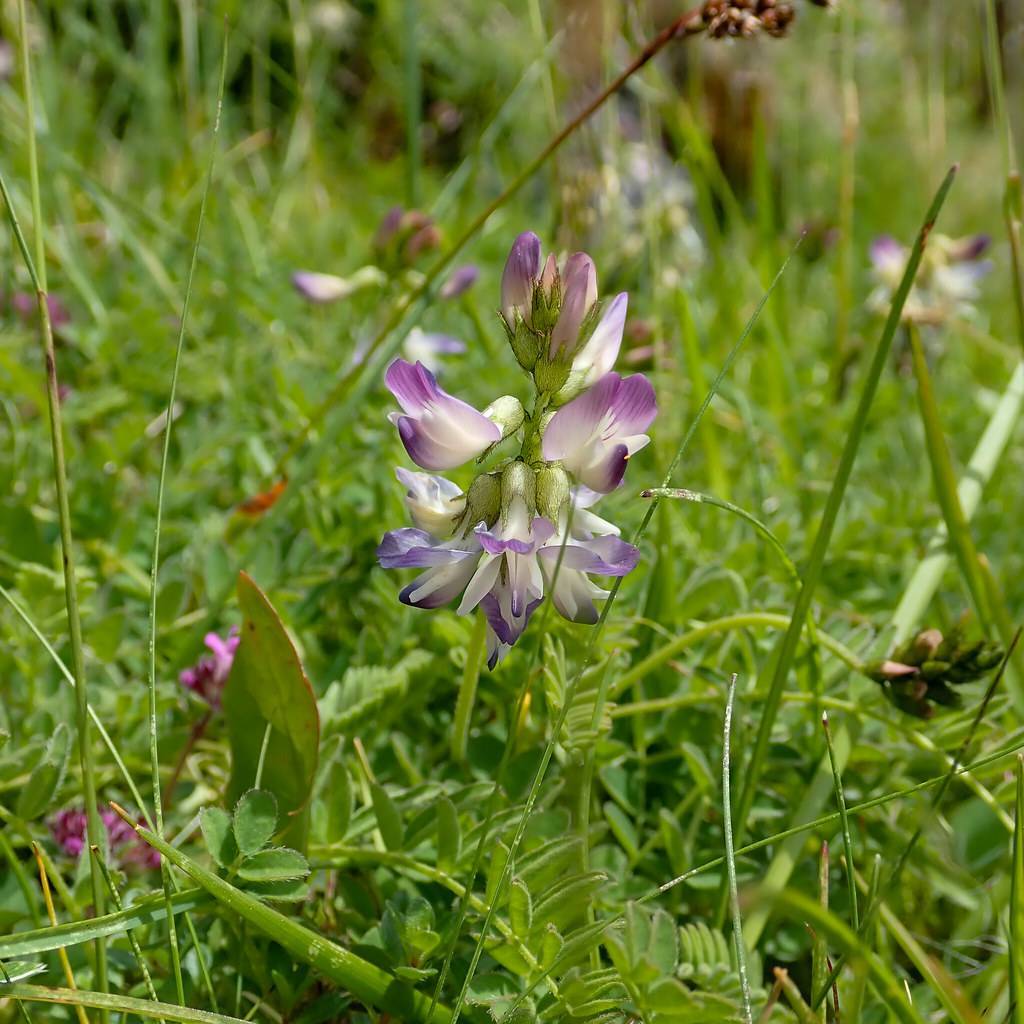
(519, 277)
(524, 343)
(518, 484)
(579, 293)
(483, 500)
(508, 413)
(552, 492)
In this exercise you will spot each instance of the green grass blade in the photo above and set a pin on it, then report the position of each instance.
(823, 536)
(120, 1004)
(1017, 903)
(149, 910)
(730, 855)
(844, 819)
(802, 908)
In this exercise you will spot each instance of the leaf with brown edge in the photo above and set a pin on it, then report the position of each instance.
(268, 688)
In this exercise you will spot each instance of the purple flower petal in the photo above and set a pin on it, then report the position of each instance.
(408, 548)
(598, 355)
(439, 431)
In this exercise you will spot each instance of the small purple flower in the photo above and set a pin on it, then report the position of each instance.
(208, 676)
(522, 269)
(427, 349)
(438, 430)
(572, 592)
(579, 293)
(389, 226)
(320, 288)
(26, 306)
(461, 280)
(594, 435)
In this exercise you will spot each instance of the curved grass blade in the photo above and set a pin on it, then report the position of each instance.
(149, 910)
(1017, 903)
(730, 855)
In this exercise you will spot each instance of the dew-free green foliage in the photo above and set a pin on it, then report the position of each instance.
(342, 821)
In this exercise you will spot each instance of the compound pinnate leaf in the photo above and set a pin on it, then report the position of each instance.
(218, 835)
(255, 821)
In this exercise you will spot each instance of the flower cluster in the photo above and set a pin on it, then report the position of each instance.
(746, 17)
(947, 279)
(68, 828)
(523, 528)
(924, 671)
(207, 677)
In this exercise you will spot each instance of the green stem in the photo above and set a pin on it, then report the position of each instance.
(467, 689)
(730, 855)
(787, 650)
(844, 819)
(154, 752)
(37, 271)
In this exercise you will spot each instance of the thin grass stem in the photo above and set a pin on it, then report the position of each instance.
(844, 820)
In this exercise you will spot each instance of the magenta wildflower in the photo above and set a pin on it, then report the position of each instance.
(69, 831)
(208, 676)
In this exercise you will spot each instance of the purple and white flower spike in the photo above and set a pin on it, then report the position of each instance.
(438, 430)
(523, 529)
(594, 435)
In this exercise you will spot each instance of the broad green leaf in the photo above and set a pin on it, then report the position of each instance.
(520, 908)
(215, 823)
(622, 828)
(388, 819)
(267, 687)
(274, 865)
(567, 900)
(449, 834)
(255, 821)
(283, 890)
(37, 796)
(495, 868)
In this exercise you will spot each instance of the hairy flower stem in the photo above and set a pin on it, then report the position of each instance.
(37, 272)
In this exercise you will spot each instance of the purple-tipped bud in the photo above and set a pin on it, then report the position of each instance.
(522, 269)
(579, 293)
(461, 280)
(388, 227)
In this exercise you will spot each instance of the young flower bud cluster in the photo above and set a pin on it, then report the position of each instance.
(746, 18)
(924, 670)
(523, 529)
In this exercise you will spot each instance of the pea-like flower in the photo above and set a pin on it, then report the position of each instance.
(438, 430)
(523, 530)
(427, 348)
(69, 830)
(208, 676)
(596, 433)
(947, 280)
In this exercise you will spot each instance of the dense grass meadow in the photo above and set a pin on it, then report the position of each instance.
(398, 624)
